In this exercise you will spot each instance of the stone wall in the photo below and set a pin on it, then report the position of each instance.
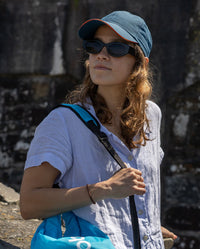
(181, 175)
(41, 59)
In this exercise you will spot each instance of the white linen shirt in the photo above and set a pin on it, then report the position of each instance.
(68, 145)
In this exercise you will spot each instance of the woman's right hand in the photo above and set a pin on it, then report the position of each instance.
(126, 182)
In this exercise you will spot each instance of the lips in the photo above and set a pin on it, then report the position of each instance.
(101, 67)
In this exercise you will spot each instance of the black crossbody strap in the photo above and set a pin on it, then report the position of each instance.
(91, 122)
(135, 224)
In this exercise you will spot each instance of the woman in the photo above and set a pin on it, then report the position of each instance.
(116, 91)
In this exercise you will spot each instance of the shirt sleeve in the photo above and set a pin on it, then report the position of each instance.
(154, 110)
(160, 150)
(51, 143)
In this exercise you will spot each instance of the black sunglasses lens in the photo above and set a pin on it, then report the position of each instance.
(118, 49)
(93, 47)
(115, 49)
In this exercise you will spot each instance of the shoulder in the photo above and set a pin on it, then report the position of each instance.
(62, 120)
(153, 110)
(55, 122)
(58, 116)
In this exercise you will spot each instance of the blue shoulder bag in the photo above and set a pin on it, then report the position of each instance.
(79, 233)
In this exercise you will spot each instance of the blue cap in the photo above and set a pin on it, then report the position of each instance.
(128, 26)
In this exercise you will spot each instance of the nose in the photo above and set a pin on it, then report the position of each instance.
(103, 54)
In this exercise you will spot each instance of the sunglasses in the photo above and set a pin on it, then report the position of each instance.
(115, 49)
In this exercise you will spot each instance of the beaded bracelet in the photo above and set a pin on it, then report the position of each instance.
(87, 187)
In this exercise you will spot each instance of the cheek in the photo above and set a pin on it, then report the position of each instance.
(124, 69)
(90, 64)
(91, 59)
(125, 63)
(130, 65)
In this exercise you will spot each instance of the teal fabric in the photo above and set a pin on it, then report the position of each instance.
(79, 234)
(83, 114)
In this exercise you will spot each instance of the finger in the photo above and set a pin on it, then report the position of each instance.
(168, 234)
(137, 182)
(138, 172)
(171, 235)
(141, 185)
(138, 187)
(139, 191)
(140, 178)
(135, 174)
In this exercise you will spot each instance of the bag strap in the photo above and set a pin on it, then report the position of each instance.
(91, 122)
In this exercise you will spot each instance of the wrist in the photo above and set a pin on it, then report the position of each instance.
(89, 194)
(99, 191)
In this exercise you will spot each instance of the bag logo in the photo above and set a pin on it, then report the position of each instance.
(81, 243)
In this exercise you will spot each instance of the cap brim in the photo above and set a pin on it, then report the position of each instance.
(88, 29)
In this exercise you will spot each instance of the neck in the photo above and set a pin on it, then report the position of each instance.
(114, 97)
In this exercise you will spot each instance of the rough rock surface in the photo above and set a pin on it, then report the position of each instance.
(15, 233)
(8, 194)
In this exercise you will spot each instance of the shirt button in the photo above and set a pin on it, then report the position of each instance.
(145, 238)
(130, 157)
(140, 212)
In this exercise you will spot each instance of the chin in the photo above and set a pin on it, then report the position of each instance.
(101, 82)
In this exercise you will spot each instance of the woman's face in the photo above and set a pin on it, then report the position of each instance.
(106, 70)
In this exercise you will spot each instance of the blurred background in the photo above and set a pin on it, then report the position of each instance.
(41, 60)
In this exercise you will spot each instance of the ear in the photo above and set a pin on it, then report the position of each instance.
(147, 60)
(87, 63)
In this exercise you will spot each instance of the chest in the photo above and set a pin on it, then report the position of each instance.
(116, 130)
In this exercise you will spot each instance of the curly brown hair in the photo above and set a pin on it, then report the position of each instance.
(133, 117)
